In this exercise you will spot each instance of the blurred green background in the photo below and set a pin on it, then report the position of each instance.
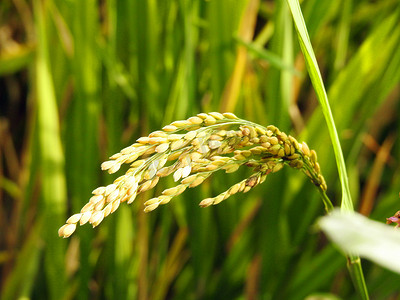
(80, 80)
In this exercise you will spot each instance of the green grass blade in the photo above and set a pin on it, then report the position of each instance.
(316, 79)
(81, 122)
(52, 160)
(19, 284)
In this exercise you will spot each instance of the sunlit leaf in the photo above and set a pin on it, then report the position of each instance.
(354, 233)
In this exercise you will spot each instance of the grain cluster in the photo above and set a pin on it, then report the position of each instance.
(191, 151)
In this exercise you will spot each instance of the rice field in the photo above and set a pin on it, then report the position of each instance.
(81, 80)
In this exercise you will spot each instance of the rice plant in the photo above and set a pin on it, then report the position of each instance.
(198, 146)
(80, 80)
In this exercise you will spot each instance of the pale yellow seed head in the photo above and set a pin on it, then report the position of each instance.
(298, 164)
(245, 131)
(197, 142)
(253, 132)
(294, 156)
(283, 136)
(210, 121)
(202, 115)
(115, 205)
(277, 167)
(274, 149)
(257, 150)
(157, 140)
(305, 149)
(107, 164)
(214, 144)
(114, 168)
(199, 180)
(150, 150)
(239, 156)
(165, 171)
(107, 209)
(145, 186)
(131, 158)
(100, 190)
(137, 163)
(317, 168)
(85, 217)
(234, 189)
(151, 207)
(195, 156)
(96, 218)
(211, 167)
(170, 128)
(186, 171)
(189, 179)
(116, 156)
(164, 199)
(313, 156)
(273, 140)
(206, 202)
(190, 135)
(154, 182)
(66, 230)
(175, 137)
(204, 149)
(266, 145)
(220, 198)
(158, 133)
(109, 189)
(260, 130)
(152, 201)
(178, 174)
(146, 175)
(74, 219)
(231, 168)
(175, 155)
(178, 144)
(287, 149)
(191, 128)
(132, 189)
(99, 205)
(216, 115)
(281, 152)
(162, 148)
(180, 123)
(130, 181)
(242, 186)
(195, 120)
(229, 115)
(171, 191)
(219, 162)
(222, 133)
(96, 199)
(114, 195)
(143, 140)
(246, 189)
(88, 207)
(263, 139)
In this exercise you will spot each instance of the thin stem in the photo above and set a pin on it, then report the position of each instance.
(356, 274)
(327, 202)
(316, 79)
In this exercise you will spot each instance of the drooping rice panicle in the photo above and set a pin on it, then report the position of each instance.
(191, 151)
